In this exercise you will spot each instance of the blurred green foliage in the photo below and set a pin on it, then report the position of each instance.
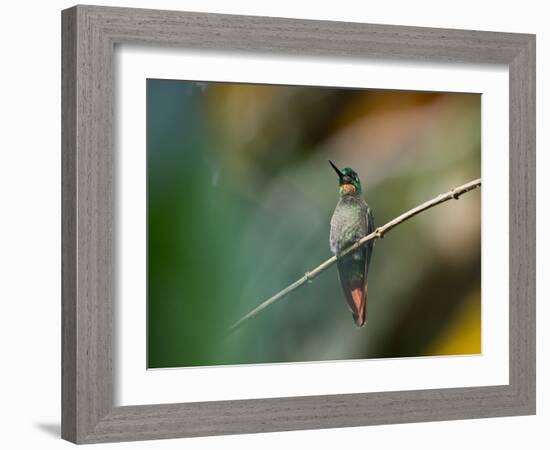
(240, 196)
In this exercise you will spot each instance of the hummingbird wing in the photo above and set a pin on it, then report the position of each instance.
(353, 270)
(370, 228)
(368, 248)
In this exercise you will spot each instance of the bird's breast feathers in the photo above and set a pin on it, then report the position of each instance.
(348, 224)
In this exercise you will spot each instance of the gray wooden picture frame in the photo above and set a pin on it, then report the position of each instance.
(89, 36)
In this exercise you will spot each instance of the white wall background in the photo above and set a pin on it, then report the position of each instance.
(31, 208)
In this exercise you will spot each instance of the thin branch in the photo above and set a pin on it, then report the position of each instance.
(454, 193)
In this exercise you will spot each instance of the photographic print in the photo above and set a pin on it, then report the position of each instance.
(250, 187)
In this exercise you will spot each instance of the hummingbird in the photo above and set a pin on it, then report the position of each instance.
(352, 219)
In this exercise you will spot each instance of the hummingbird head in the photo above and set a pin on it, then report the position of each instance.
(348, 180)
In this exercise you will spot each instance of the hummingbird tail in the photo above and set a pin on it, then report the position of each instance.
(360, 300)
(354, 286)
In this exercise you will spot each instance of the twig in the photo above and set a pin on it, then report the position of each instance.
(454, 193)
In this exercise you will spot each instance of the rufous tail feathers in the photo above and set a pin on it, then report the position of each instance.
(360, 300)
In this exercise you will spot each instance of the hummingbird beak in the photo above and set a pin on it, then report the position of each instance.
(336, 169)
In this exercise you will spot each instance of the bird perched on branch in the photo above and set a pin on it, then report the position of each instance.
(352, 219)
